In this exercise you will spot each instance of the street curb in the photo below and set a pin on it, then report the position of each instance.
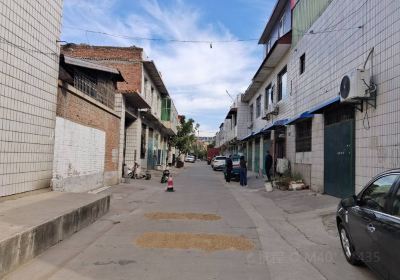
(24, 246)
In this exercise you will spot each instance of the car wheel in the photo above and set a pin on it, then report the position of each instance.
(347, 246)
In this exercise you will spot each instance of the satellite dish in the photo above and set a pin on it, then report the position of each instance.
(345, 87)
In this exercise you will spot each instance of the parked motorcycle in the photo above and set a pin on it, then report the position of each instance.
(165, 176)
(132, 172)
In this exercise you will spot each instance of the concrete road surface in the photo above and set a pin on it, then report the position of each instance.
(289, 240)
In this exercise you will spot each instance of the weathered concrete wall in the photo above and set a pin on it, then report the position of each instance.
(28, 93)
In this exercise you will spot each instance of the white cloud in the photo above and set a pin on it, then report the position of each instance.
(195, 74)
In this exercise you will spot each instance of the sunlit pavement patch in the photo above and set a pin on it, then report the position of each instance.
(201, 241)
(181, 216)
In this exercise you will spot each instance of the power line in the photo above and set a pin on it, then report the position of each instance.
(5, 41)
(210, 42)
(332, 26)
(346, 17)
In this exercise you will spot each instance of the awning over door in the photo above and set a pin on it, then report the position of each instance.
(275, 125)
(301, 117)
(319, 109)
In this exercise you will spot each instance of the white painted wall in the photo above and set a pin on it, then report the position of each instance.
(79, 153)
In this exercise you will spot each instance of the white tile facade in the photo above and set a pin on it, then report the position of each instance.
(330, 55)
(28, 90)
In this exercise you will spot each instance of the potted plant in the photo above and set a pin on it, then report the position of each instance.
(297, 182)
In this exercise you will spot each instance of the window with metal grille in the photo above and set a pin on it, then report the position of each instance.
(102, 90)
(166, 109)
(303, 136)
(258, 107)
(282, 84)
(269, 98)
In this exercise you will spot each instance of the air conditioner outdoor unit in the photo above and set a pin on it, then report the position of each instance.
(273, 108)
(355, 85)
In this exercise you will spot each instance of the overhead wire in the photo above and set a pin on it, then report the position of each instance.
(346, 16)
(204, 41)
(5, 41)
(211, 42)
(160, 39)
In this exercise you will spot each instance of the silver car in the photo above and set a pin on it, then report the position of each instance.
(219, 163)
(190, 158)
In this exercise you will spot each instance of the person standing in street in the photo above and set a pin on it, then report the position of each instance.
(243, 172)
(268, 165)
(229, 167)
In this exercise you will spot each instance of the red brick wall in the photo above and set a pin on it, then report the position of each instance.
(79, 110)
(127, 60)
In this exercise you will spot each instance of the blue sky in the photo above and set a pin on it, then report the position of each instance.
(195, 75)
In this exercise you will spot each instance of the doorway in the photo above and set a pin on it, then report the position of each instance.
(339, 152)
(257, 156)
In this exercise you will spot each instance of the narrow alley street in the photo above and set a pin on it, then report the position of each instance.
(249, 234)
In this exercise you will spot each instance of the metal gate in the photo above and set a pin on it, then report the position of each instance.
(257, 156)
(339, 152)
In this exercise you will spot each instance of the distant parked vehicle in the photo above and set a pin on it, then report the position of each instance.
(219, 163)
(369, 225)
(190, 158)
(211, 153)
(212, 162)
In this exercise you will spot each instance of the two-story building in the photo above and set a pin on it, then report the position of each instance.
(269, 93)
(87, 127)
(148, 115)
(234, 128)
(346, 120)
(326, 94)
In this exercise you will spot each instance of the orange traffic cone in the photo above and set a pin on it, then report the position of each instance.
(170, 184)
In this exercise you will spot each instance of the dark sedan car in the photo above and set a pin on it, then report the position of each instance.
(369, 225)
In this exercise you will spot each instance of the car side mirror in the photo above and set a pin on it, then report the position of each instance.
(349, 202)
